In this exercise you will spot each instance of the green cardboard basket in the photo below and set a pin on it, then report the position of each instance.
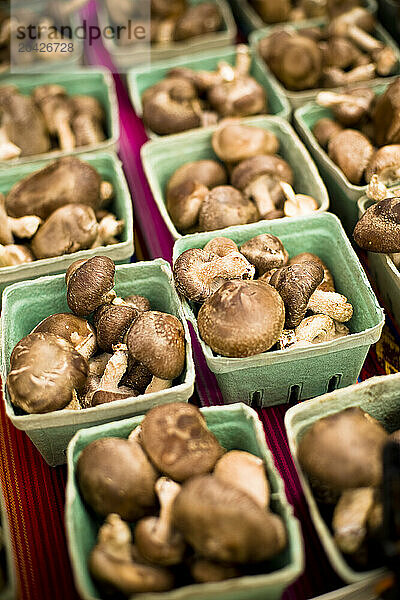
(380, 398)
(282, 376)
(96, 82)
(9, 592)
(297, 99)
(124, 57)
(236, 427)
(162, 157)
(249, 20)
(109, 166)
(384, 272)
(26, 304)
(141, 78)
(344, 195)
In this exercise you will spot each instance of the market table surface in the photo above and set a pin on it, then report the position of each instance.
(34, 492)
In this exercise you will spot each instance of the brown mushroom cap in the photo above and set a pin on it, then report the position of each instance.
(223, 523)
(221, 246)
(137, 377)
(199, 19)
(75, 330)
(252, 168)
(265, 252)
(385, 115)
(246, 472)
(242, 318)
(205, 571)
(233, 141)
(344, 450)
(295, 284)
(178, 442)
(139, 302)
(378, 230)
(386, 164)
(207, 172)
(89, 284)
(68, 229)
(324, 129)
(157, 340)
(67, 180)
(328, 284)
(350, 114)
(115, 475)
(225, 206)
(351, 151)
(112, 321)
(45, 369)
(184, 203)
(240, 97)
(273, 12)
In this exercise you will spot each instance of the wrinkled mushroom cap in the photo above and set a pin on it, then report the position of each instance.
(115, 475)
(344, 450)
(112, 321)
(178, 442)
(225, 206)
(378, 230)
(157, 340)
(75, 330)
(89, 283)
(328, 284)
(351, 151)
(233, 141)
(386, 164)
(45, 369)
(242, 318)
(139, 302)
(252, 168)
(265, 252)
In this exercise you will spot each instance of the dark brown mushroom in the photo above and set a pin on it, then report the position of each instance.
(378, 230)
(328, 284)
(112, 321)
(265, 252)
(206, 571)
(273, 12)
(351, 151)
(225, 206)
(89, 284)
(386, 115)
(139, 302)
(185, 203)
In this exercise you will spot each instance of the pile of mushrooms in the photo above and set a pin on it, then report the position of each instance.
(124, 350)
(292, 304)
(342, 457)
(199, 199)
(363, 137)
(342, 53)
(201, 514)
(171, 20)
(60, 209)
(187, 99)
(278, 11)
(49, 119)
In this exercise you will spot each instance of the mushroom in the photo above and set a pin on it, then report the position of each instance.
(324, 129)
(178, 442)
(137, 377)
(199, 19)
(75, 330)
(273, 12)
(356, 16)
(87, 120)
(350, 518)
(328, 284)
(233, 141)
(24, 227)
(352, 152)
(258, 178)
(242, 318)
(386, 164)
(221, 246)
(155, 538)
(57, 111)
(386, 115)
(198, 274)
(265, 252)
(108, 230)
(115, 474)
(344, 450)
(225, 206)
(206, 571)
(139, 302)
(108, 389)
(67, 180)
(334, 77)
(112, 563)
(246, 472)
(167, 8)
(207, 172)
(15, 254)
(68, 229)
(378, 229)
(316, 329)
(297, 205)
(45, 369)
(112, 322)
(350, 108)
(340, 52)
(223, 523)
(89, 284)
(8, 149)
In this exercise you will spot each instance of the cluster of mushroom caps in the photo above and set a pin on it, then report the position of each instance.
(187, 99)
(199, 199)
(242, 317)
(214, 520)
(68, 362)
(342, 456)
(49, 119)
(279, 11)
(363, 137)
(171, 20)
(341, 53)
(60, 209)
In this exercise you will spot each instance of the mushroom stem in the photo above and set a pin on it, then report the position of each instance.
(157, 385)
(383, 55)
(8, 149)
(332, 304)
(329, 99)
(106, 193)
(297, 204)
(377, 190)
(350, 518)
(87, 347)
(74, 404)
(115, 368)
(258, 189)
(166, 490)
(25, 227)
(12, 254)
(336, 77)
(317, 329)
(109, 228)
(243, 60)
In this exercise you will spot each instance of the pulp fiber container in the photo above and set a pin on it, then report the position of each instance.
(282, 376)
(379, 397)
(384, 272)
(162, 157)
(141, 78)
(344, 195)
(109, 167)
(249, 20)
(236, 427)
(299, 98)
(96, 82)
(26, 304)
(6, 556)
(127, 56)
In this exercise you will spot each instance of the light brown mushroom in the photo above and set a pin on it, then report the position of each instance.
(350, 518)
(349, 108)
(297, 205)
(87, 120)
(246, 472)
(265, 252)
(15, 254)
(324, 129)
(108, 230)
(108, 388)
(352, 152)
(386, 115)
(206, 571)
(334, 77)
(57, 111)
(234, 141)
(385, 163)
(221, 246)
(75, 330)
(225, 206)
(199, 19)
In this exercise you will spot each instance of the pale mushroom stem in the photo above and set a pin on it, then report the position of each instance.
(116, 536)
(74, 404)
(226, 71)
(157, 385)
(106, 193)
(134, 436)
(363, 39)
(11, 255)
(115, 368)
(167, 490)
(289, 193)
(90, 130)
(109, 228)
(207, 117)
(87, 347)
(64, 131)
(243, 60)
(360, 73)
(329, 99)
(25, 227)
(259, 191)
(377, 190)
(8, 149)
(350, 518)
(332, 304)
